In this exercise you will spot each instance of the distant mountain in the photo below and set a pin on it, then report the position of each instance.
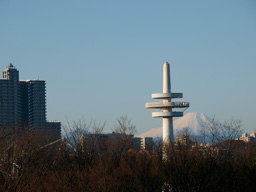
(75, 133)
(192, 122)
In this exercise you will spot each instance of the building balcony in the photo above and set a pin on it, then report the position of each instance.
(167, 105)
(167, 114)
(166, 95)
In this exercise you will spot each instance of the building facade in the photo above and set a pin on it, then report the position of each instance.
(9, 97)
(143, 143)
(246, 138)
(23, 103)
(53, 129)
(33, 103)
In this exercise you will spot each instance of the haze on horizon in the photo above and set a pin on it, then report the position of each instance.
(104, 59)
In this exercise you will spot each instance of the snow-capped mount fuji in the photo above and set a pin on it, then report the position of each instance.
(192, 122)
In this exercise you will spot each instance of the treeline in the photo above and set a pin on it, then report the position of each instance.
(30, 163)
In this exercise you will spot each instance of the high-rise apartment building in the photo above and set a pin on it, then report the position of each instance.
(23, 103)
(9, 96)
(33, 103)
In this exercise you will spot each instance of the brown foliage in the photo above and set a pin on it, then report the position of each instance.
(29, 164)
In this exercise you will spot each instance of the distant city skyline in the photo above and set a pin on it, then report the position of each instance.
(104, 59)
(23, 104)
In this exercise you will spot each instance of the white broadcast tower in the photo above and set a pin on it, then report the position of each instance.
(166, 106)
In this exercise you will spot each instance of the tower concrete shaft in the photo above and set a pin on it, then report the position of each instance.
(167, 121)
(166, 78)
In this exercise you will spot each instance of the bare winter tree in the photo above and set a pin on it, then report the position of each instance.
(222, 135)
(122, 135)
(83, 139)
(124, 126)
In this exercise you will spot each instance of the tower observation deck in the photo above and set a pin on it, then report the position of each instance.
(166, 106)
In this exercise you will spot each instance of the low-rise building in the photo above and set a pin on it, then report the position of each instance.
(247, 138)
(143, 143)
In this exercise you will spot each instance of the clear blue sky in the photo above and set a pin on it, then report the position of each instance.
(103, 59)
